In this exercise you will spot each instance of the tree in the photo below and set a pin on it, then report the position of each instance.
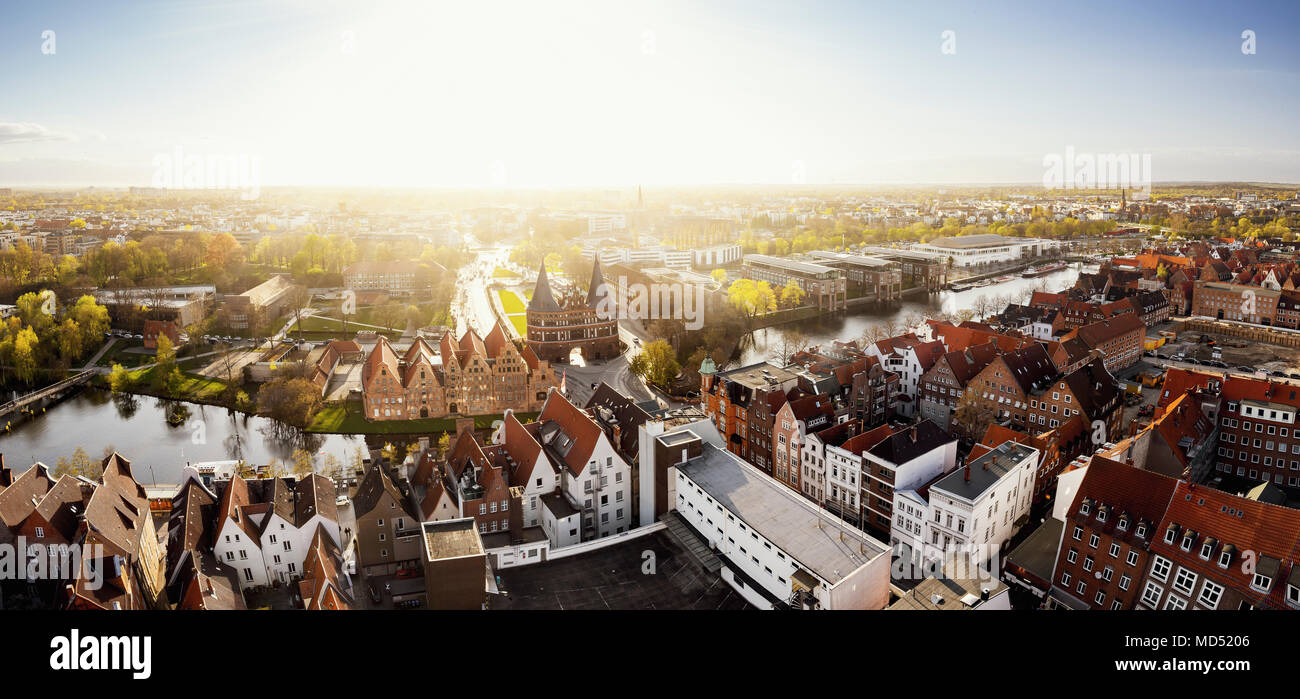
(119, 379)
(293, 401)
(791, 295)
(23, 355)
(973, 414)
(304, 464)
(80, 464)
(719, 275)
(661, 365)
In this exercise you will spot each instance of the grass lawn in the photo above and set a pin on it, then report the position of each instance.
(520, 321)
(503, 273)
(510, 301)
(341, 418)
(193, 387)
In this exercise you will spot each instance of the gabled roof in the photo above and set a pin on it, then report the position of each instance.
(19, 500)
(1094, 388)
(1030, 367)
(374, 484)
(567, 433)
(523, 449)
(1124, 490)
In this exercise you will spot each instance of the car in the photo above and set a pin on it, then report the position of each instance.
(1245, 368)
(138, 336)
(1277, 373)
(374, 594)
(1161, 356)
(1192, 360)
(1146, 410)
(405, 573)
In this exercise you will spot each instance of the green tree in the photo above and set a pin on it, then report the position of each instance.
(79, 464)
(119, 379)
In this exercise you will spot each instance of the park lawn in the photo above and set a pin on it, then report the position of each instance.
(193, 387)
(510, 302)
(503, 273)
(520, 321)
(337, 418)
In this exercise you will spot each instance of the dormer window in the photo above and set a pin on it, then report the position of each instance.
(1171, 533)
(1188, 539)
(1085, 508)
(1123, 524)
(1266, 569)
(1142, 531)
(1101, 515)
(1225, 556)
(1207, 549)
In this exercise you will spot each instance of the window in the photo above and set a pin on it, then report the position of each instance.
(1184, 581)
(1114, 550)
(1072, 556)
(1132, 557)
(1211, 593)
(1151, 595)
(1261, 582)
(1124, 581)
(1175, 603)
(1160, 569)
(1078, 531)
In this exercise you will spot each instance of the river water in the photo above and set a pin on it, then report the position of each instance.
(764, 344)
(137, 427)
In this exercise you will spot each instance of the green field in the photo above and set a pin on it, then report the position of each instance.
(503, 273)
(520, 321)
(510, 302)
(193, 387)
(340, 418)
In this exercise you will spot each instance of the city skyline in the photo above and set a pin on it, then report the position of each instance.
(583, 95)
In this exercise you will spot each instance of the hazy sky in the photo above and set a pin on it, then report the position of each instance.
(544, 93)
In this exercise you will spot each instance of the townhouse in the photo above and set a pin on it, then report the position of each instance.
(1117, 339)
(942, 387)
(793, 422)
(264, 526)
(1108, 531)
(743, 403)
(900, 461)
(970, 513)
(909, 357)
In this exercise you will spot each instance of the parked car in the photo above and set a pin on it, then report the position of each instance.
(1245, 368)
(406, 573)
(1146, 410)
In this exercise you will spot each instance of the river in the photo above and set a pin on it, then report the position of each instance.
(137, 427)
(764, 344)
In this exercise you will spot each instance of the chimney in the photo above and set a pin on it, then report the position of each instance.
(967, 469)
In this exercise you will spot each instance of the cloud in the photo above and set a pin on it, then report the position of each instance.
(27, 132)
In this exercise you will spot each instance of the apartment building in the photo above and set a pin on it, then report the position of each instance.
(909, 358)
(973, 511)
(794, 421)
(825, 287)
(1108, 531)
(779, 551)
(1241, 302)
(941, 388)
(904, 460)
(1216, 550)
(743, 403)
(1118, 340)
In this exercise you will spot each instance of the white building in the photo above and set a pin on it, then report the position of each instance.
(972, 250)
(778, 549)
(976, 509)
(265, 526)
(909, 358)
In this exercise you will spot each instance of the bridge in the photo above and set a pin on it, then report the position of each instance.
(52, 389)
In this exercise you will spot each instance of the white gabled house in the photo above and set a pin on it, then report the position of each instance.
(265, 527)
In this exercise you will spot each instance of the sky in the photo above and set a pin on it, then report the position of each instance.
(555, 94)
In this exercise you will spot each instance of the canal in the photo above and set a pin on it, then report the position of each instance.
(138, 428)
(765, 344)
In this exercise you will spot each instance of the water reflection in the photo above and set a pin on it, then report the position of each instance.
(140, 428)
(764, 344)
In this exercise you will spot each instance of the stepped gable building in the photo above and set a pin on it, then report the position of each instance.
(558, 326)
(470, 376)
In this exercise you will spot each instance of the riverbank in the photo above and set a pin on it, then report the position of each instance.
(336, 418)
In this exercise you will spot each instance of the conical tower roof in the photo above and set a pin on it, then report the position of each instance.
(596, 290)
(543, 300)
